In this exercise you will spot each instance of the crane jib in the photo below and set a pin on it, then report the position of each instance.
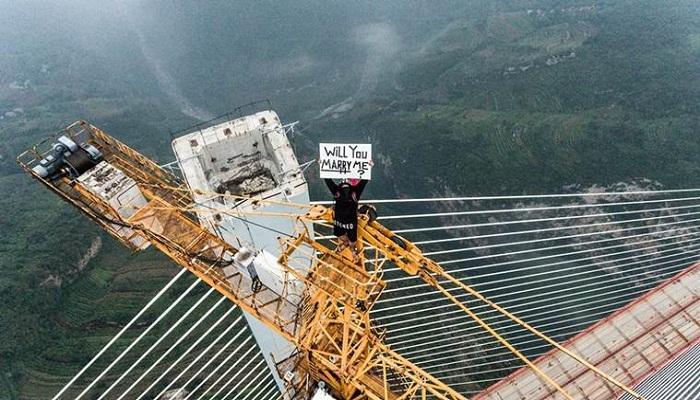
(324, 311)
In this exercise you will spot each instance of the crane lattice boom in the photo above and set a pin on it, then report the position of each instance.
(323, 310)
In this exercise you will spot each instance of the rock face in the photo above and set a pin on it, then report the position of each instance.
(91, 253)
(56, 280)
(583, 219)
(175, 394)
(52, 280)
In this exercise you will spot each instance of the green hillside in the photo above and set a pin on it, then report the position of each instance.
(532, 100)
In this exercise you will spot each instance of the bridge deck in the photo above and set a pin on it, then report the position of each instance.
(630, 344)
(677, 380)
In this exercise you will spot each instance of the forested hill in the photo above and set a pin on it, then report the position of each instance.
(465, 97)
(534, 99)
(527, 95)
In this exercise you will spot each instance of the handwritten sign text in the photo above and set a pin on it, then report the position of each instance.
(342, 161)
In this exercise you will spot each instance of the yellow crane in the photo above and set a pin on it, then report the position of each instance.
(328, 316)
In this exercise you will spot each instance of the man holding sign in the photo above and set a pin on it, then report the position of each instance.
(353, 164)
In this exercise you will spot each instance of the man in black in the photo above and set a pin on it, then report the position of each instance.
(347, 195)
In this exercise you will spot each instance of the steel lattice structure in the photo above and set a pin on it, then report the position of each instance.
(324, 312)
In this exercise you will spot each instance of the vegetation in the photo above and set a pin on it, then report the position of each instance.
(467, 97)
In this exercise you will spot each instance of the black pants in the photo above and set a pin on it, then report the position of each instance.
(341, 228)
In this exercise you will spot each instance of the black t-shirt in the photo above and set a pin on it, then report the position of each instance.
(346, 198)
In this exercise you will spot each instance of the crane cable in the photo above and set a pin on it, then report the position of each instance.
(556, 255)
(171, 347)
(138, 339)
(184, 386)
(434, 349)
(525, 196)
(239, 382)
(528, 209)
(548, 301)
(221, 364)
(431, 272)
(534, 274)
(163, 337)
(528, 327)
(606, 310)
(489, 315)
(245, 388)
(574, 272)
(438, 285)
(692, 257)
(193, 362)
(119, 334)
(505, 343)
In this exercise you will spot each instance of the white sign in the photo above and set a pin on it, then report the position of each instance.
(341, 161)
